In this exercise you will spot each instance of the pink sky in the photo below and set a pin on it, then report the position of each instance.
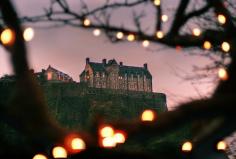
(66, 49)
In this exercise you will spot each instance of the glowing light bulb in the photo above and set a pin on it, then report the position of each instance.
(225, 46)
(131, 37)
(148, 115)
(59, 152)
(7, 37)
(187, 147)
(39, 156)
(157, 2)
(196, 32)
(107, 131)
(222, 74)
(221, 19)
(119, 138)
(28, 34)
(221, 145)
(159, 34)
(207, 45)
(96, 32)
(78, 144)
(108, 142)
(164, 18)
(145, 43)
(87, 22)
(119, 35)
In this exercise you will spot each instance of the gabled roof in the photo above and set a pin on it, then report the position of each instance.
(134, 70)
(58, 72)
(112, 62)
(98, 67)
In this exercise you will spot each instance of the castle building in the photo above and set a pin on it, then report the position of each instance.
(116, 76)
(55, 75)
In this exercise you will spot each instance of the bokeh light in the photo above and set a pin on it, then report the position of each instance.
(39, 156)
(157, 2)
(225, 46)
(59, 152)
(107, 131)
(207, 45)
(221, 19)
(119, 35)
(145, 43)
(187, 146)
(164, 18)
(7, 37)
(221, 145)
(159, 34)
(28, 34)
(119, 137)
(196, 32)
(78, 144)
(148, 115)
(131, 37)
(86, 22)
(222, 74)
(96, 32)
(108, 142)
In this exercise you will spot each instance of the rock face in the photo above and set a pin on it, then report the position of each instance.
(75, 105)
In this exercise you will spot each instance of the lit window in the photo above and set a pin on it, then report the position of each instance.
(49, 75)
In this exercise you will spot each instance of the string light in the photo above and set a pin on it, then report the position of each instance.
(119, 35)
(119, 137)
(196, 32)
(164, 18)
(7, 37)
(221, 19)
(145, 43)
(107, 131)
(39, 156)
(225, 46)
(59, 152)
(28, 34)
(96, 32)
(221, 145)
(207, 45)
(159, 34)
(187, 146)
(148, 115)
(222, 74)
(108, 142)
(78, 144)
(86, 22)
(131, 37)
(157, 2)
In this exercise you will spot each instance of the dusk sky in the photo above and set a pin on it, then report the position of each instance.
(66, 49)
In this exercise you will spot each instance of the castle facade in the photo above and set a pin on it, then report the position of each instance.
(116, 76)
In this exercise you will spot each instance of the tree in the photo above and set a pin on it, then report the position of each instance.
(217, 23)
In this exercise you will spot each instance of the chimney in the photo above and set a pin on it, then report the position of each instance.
(87, 60)
(121, 63)
(104, 61)
(145, 66)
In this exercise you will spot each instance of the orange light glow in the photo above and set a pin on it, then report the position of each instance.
(59, 152)
(159, 34)
(28, 34)
(221, 145)
(130, 37)
(39, 156)
(207, 45)
(222, 74)
(107, 131)
(87, 22)
(78, 144)
(7, 37)
(49, 76)
(148, 115)
(221, 19)
(108, 142)
(119, 137)
(187, 147)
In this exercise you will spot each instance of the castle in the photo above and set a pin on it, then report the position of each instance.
(116, 76)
